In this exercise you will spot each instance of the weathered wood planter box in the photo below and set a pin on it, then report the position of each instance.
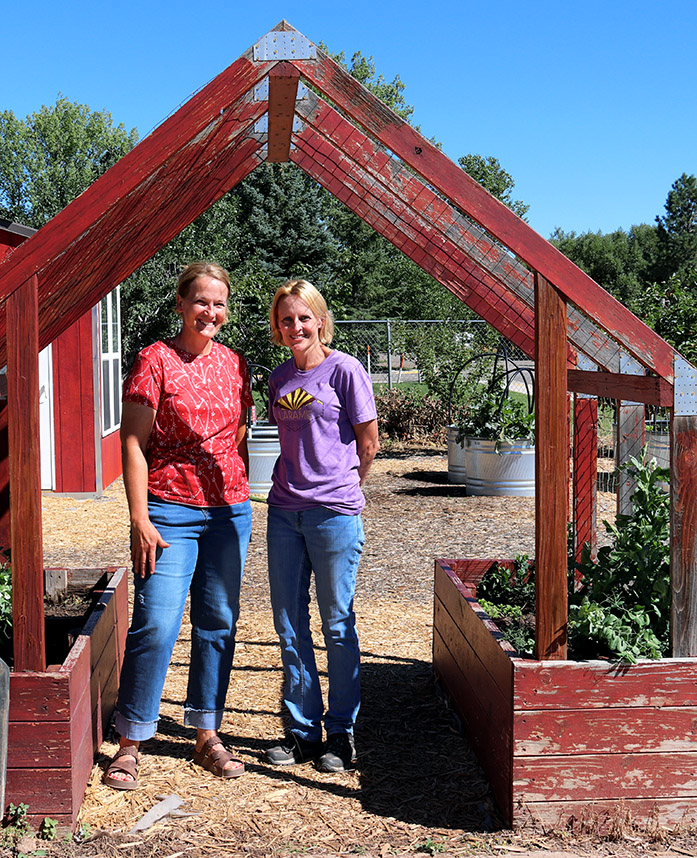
(566, 742)
(57, 718)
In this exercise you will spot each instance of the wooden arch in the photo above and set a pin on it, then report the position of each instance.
(285, 100)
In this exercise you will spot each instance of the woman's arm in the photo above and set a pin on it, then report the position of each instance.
(241, 440)
(367, 445)
(136, 425)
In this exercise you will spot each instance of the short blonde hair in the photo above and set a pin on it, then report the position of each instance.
(201, 269)
(312, 297)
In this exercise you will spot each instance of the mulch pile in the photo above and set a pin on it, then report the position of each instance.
(417, 787)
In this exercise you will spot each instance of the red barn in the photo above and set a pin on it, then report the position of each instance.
(80, 400)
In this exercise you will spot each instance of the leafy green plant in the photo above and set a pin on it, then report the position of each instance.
(5, 599)
(621, 607)
(495, 416)
(48, 829)
(430, 846)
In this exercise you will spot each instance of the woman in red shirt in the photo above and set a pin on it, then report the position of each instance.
(185, 463)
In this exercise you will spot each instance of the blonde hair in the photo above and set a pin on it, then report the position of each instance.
(201, 269)
(312, 297)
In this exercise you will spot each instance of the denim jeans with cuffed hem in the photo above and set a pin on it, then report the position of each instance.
(205, 558)
(329, 544)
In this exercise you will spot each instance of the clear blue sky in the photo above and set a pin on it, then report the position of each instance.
(591, 106)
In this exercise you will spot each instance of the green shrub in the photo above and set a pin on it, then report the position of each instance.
(621, 607)
(408, 415)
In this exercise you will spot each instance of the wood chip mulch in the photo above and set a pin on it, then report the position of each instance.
(417, 787)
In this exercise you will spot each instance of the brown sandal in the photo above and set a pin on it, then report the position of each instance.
(215, 760)
(128, 767)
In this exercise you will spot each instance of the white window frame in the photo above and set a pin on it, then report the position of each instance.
(110, 347)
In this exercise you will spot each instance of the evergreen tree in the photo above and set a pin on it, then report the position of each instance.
(491, 175)
(677, 229)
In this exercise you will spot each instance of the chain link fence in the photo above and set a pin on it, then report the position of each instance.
(392, 350)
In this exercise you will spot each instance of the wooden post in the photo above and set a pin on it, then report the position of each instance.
(585, 483)
(551, 472)
(22, 317)
(283, 90)
(683, 513)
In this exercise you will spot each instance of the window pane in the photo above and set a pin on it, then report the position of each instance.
(106, 396)
(105, 326)
(116, 369)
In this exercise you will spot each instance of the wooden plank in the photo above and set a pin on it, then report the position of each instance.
(39, 696)
(604, 817)
(601, 684)
(508, 318)
(638, 388)
(683, 530)
(620, 730)
(585, 474)
(47, 791)
(492, 749)
(589, 777)
(28, 631)
(283, 90)
(74, 406)
(551, 473)
(40, 743)
(630, 442)
(452, 225)
(448, 178)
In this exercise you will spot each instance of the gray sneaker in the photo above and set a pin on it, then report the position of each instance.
(293, 750)
(339, 753)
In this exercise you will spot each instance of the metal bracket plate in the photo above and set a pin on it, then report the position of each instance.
(261, 126)
(684, 388)
(284, 45)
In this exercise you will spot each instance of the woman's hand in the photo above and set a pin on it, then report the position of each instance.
(145, 540)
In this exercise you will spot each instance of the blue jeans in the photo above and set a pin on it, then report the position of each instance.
(329, 544)
(206, 555)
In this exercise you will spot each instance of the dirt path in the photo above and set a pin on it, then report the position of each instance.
(417, 789)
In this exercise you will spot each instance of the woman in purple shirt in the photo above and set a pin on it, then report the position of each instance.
(322, 402)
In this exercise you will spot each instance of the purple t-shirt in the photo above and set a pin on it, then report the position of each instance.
(315, 411)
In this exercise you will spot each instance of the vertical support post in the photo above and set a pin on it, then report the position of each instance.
(22, 315)
(389, 355)
(551, 472)
(585, 482)
(683, 512)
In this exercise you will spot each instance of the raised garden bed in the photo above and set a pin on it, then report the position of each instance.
(57, 718)
(565, 742)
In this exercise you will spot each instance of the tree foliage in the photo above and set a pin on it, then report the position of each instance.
(677, 228)
(50, 157)
(491, 175)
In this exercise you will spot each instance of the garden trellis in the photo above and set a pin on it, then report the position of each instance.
(285, 100)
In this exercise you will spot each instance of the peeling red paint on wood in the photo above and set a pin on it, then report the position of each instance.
(283, 90)
(585, 475)
(683, 544)
(588, 738)
(367, 111)
(465, 235)
(639, 388)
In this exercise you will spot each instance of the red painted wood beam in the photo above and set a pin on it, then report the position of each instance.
(551, 473)
(283, 91)
(585, 474)
(220, 103)
(512, 319)
(132, 232)
(637, 388)
(28, 632)
(469, 237)
(448, 178)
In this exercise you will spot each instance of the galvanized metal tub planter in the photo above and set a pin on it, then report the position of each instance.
(456, 457)
(500, 468)
(58, 718)
(264, 448)
(564, 743)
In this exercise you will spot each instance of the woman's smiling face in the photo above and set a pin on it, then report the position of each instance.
(204, 308)
(299, 326)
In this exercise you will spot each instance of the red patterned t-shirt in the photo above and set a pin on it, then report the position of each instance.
(192, 456)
